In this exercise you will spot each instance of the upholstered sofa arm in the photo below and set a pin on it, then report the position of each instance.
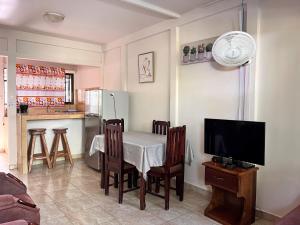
(11, 185)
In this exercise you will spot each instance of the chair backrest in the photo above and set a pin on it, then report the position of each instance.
(160, 127)
(175, 150)
(114, 144)
(114, 122)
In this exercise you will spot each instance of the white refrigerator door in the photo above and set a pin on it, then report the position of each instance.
(121, 108)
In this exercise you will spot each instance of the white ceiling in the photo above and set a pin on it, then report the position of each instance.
(98, 21)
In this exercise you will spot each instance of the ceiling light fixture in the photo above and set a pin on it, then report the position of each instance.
(54, 17)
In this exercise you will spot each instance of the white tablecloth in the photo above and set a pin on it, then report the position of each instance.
(144, 150)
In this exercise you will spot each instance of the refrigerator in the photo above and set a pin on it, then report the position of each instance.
(102, 104)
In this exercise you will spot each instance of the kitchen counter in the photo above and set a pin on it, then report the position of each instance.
(71, 120)
(52, 116)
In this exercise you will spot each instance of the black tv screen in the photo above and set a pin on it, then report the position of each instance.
(239, 140)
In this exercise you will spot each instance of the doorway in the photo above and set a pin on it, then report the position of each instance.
(3, 115)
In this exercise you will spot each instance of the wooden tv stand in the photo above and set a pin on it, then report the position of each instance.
(233, 194)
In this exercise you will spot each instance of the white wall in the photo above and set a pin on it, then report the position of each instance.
(277, 103)
(206, 90)
(112, 70)
(88, 77)
(149, 101)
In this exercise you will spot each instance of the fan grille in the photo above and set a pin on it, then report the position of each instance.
(234, 48)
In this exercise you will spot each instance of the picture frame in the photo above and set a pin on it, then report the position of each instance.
(146, 67)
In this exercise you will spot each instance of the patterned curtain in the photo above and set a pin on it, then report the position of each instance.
(40, 86)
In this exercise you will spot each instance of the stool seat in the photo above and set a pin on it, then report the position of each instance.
(44, 155)
(37, 131)
(60, 130)
(60, 133)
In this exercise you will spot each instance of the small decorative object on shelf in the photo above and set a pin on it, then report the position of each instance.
(186, 51)
(201, 50)
(193, 54)
(208, 51)
(203, 53)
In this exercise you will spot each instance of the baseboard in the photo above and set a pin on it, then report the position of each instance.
(12, 167)
(259, 213)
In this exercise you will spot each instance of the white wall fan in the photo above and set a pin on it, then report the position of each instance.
(234, 48)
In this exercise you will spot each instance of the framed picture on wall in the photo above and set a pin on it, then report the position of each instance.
(146, 67)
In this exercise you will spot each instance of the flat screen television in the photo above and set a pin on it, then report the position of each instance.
(239, 140)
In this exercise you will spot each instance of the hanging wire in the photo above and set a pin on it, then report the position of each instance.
(242, 69)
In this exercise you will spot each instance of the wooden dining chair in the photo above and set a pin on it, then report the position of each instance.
(160, 127)
(102, 156)
(174, 165)
(114, 159)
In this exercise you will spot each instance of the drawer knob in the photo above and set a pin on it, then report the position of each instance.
(220, 178)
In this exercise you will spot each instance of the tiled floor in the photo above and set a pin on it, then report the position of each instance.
(72, 196)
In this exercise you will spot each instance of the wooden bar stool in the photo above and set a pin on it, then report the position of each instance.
(44, 155)
(66, 152)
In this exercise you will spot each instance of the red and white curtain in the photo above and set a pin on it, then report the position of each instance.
(40, 86)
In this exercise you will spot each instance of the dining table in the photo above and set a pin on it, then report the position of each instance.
(143, 150)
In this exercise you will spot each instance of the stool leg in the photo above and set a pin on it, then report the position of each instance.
(52, 148)
(45, 150)
(55, 149)
(30, 152)
(67, 148)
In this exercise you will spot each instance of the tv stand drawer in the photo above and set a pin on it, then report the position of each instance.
(220, 179)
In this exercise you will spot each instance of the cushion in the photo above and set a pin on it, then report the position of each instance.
(11, 208)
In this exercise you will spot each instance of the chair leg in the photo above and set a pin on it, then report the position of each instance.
(167, 192)
(102, 163)
(116, 180)
(121, 186)
(106, 182)
(181, 187)
(149, 182)
(157, 184)
(129, 182)
(178, 179)
(135, 177)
